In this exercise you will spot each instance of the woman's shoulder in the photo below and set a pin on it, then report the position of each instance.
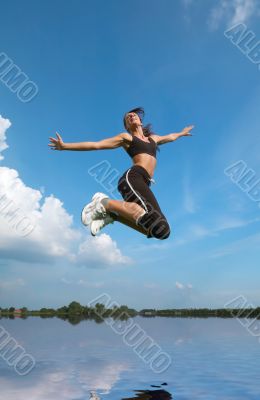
(126, 137)
(154, 137)
(127, 140)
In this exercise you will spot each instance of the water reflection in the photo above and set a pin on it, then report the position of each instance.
(141, 395)
(94, 396)
(212, 359)
(150, 395)
(54, 380)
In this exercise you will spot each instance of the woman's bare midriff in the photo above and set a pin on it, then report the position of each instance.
(146, 161)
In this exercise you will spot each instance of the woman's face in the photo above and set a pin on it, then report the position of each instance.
(132, 120)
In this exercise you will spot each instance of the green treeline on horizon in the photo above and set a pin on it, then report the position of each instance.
(99, 311)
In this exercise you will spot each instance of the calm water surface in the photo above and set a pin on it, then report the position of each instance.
(211, 359)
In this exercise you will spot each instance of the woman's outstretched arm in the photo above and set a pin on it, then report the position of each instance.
(109, 143)
(172, 136)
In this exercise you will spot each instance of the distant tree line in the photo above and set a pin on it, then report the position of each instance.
(75, 312)
(204, 312)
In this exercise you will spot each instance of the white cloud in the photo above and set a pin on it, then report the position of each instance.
(4, 125)
(197, 231)
(250, 242)
(50, 234)
(227, 222)
(232, 12)
(221, 253)
(179, 285)
(243, 10)
(106, 251)
(182, 286)
(229, 11)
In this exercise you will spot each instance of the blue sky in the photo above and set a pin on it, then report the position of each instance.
(92, 62)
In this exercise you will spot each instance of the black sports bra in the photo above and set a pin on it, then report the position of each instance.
(138, 146)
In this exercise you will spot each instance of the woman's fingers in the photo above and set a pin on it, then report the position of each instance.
(58, 136)
(55, 142)
(53, 146)
(188, 129)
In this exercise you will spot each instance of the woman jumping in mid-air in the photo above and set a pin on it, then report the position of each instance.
(140, 209)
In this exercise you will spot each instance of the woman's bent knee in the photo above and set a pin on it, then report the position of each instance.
(160, 231)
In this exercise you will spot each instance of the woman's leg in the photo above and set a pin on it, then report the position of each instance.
(127, 213)
(134, 187)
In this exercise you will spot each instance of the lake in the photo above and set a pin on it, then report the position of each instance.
(210, 359)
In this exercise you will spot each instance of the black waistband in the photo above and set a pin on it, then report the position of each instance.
(142, 170)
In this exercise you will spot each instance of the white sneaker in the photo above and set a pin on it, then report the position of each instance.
(94, 209)
(97, 224)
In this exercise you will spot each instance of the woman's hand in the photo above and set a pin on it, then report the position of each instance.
(186, 131)
(57, 144)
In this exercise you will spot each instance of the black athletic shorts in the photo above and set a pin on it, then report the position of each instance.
(134, 186)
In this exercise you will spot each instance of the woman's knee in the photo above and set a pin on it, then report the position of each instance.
(161, 230)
